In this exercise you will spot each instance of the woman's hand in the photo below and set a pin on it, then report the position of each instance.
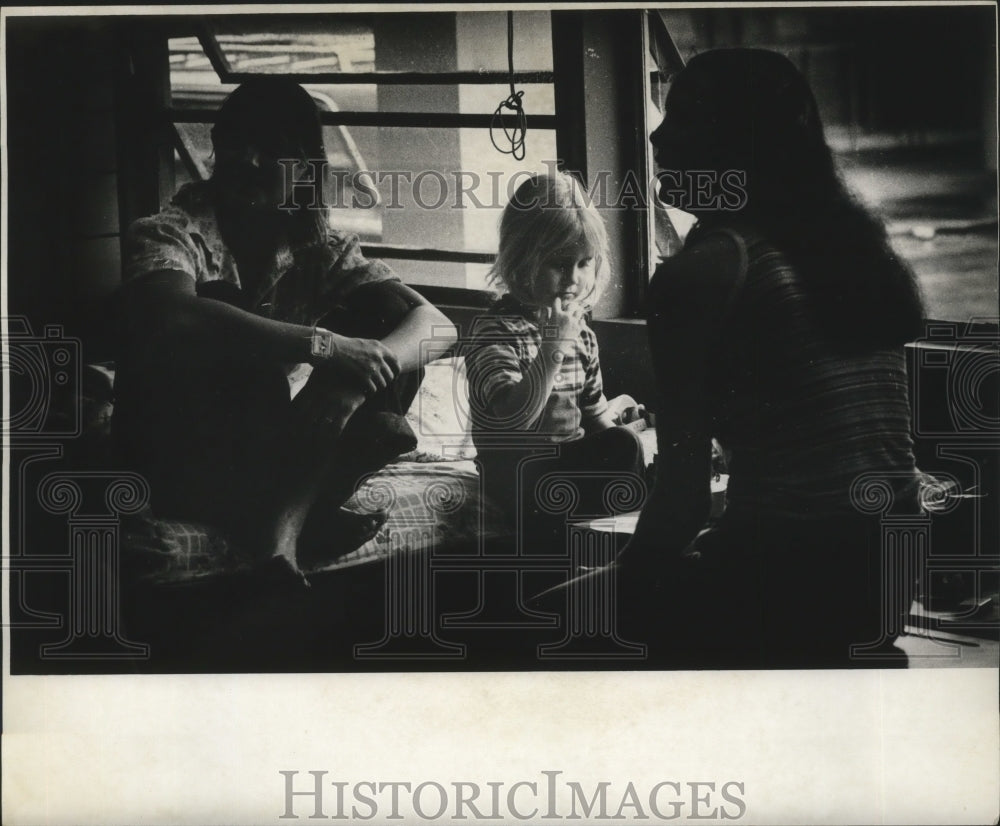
(368, 363)
(348, 372)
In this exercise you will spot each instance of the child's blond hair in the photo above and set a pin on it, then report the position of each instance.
(548, 214)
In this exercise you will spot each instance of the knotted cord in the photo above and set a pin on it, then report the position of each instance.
(514, 135)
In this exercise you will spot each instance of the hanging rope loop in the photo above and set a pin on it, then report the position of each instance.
(514, 135)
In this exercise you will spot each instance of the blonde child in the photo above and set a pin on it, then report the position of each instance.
(534, 371)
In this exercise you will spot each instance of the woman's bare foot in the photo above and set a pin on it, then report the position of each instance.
(329, 534)
(274, 576)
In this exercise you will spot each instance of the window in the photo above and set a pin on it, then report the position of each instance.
(919, 154)
(666, 226)
(406, 117)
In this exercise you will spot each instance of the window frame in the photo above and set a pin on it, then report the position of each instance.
(206, 36)
(148, 136)
(573, 31)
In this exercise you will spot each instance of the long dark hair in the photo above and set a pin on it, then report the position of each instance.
(278, 118)
(750, 110)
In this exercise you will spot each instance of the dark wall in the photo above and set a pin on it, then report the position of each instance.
(64, 231)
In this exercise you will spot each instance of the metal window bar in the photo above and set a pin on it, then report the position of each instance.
(662, 46)
(410, 252)
(403, 78)
(662, 237)
(220, 64)
(214, 53)
(426, 120)
(194, 167)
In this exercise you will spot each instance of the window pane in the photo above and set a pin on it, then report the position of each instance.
(442, 188)
(666, 226)
(436, 188)
(186, 55)
(441, 274)
(194, 84)
(482, 41)
(431, 188)
(957, 272)
(273, 46)
(419, 42)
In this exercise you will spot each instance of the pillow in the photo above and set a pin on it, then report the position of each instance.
(440, 414)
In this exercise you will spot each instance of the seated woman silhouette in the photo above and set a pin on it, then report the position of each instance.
(779, 331)
(236, 281)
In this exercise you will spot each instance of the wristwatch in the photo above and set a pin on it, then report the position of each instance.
(322, 345)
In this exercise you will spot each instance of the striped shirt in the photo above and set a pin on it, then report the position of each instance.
(802, 420)
(503, 344)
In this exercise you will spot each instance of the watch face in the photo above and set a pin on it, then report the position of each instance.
(322, 343)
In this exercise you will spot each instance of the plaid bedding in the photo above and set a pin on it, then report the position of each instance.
(430, 504)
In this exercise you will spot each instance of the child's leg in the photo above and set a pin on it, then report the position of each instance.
(590, 464)
(617, 450)
(584, 481)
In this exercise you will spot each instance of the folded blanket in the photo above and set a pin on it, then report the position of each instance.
(431, 504)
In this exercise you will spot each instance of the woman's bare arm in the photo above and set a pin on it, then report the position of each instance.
(163, 318)
(422, 334)
(687, 297)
